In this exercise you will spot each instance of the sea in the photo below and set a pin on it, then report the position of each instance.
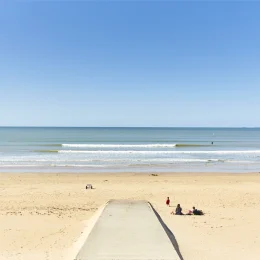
(129, 149)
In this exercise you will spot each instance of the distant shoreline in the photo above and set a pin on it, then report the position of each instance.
(129, 173)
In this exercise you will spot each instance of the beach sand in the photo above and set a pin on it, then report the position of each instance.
(43, 215)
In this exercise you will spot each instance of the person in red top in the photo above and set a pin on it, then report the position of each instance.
(168, 201)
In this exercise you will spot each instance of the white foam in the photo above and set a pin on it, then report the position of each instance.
(162, 152)
(52, 165)
(242, 162)
(119, 145)
(79, 165)
(18, 165)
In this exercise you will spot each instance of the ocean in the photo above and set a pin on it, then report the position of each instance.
(90, 149)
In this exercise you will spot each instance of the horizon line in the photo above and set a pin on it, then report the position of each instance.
(48, 126)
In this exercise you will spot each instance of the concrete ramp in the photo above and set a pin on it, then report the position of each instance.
(128, 230)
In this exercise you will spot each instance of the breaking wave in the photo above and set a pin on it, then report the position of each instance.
(130, 145)
(161, 152)
(119, 145)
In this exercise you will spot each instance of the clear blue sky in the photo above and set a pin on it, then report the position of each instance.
(130, 63)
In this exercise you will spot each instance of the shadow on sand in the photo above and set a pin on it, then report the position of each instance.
(169, 233)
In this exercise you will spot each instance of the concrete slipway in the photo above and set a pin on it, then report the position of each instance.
(129, 230)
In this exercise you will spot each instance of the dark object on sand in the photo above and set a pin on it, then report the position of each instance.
(89, 186)
(168, 201)
(197, 211)
(178, 210)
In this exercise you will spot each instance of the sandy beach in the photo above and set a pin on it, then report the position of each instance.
(43, 215)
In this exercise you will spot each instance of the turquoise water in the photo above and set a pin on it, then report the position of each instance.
(45, 149)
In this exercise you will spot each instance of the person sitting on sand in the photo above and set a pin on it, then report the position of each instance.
(196, 211)
(168, 201)
(178, 210)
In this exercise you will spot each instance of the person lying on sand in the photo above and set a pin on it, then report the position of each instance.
(196, 211)
(178, 210)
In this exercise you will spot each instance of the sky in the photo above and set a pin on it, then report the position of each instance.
(119, 63)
